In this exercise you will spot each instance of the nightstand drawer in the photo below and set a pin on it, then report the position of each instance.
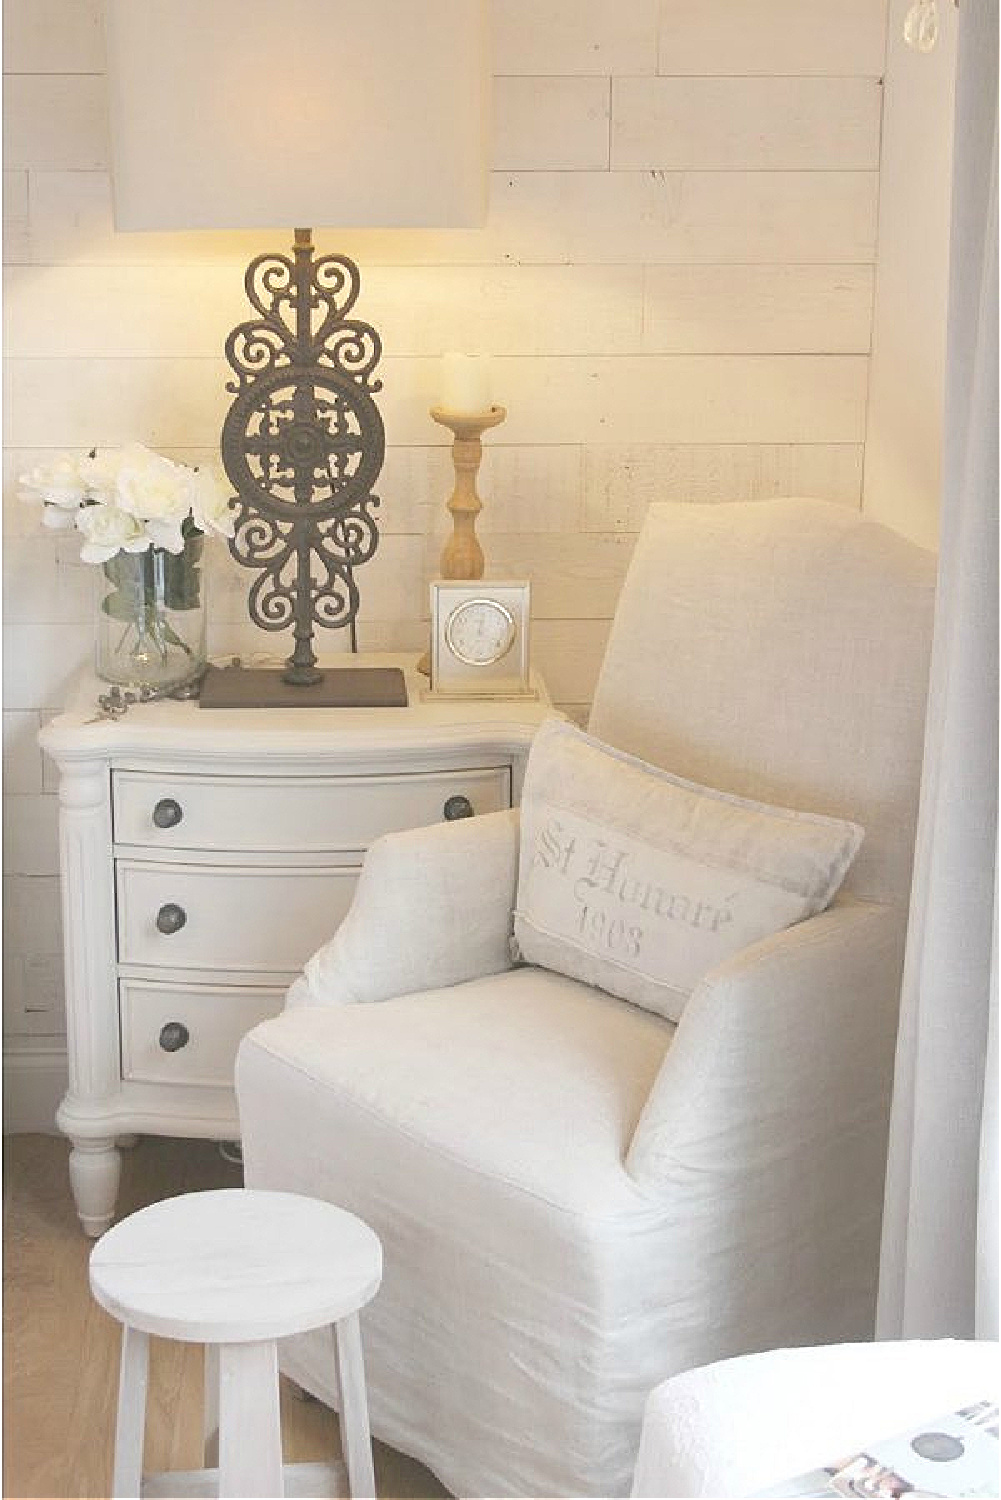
(188, 1033)
(299, 814)
(239, 918)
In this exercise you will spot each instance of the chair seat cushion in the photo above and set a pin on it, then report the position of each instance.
(481, 1131)
(434, 1066)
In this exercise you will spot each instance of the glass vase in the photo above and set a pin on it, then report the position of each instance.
(151, 634)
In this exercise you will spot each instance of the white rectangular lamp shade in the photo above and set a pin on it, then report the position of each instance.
(242, 114)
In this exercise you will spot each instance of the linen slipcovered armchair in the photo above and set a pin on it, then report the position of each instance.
(576, 1197)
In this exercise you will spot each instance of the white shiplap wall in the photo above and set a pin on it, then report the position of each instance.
(675, 282)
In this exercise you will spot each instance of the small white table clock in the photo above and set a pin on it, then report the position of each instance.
(480, 638)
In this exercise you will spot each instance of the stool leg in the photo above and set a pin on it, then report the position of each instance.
(210, 1425)
(130, 1427)
(250, 1434)
(356, 1440)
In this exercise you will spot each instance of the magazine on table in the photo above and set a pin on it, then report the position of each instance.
(953, 1455)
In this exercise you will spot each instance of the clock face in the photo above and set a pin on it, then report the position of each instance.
(480, 632)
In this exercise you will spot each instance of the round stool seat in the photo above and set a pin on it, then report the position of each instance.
(235, 1266)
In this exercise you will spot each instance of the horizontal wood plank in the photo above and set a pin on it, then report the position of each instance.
(633, 399)
(188, 310)
(53, 36)
(550, 122)
(574, 36)
(564, 571)
(583, 218)
(732, 37)
(741, 124)
(55, 121)
(622, 480)
(524, 487)
(184, 310)
(16, 240)
(757, 309)
(569, 654)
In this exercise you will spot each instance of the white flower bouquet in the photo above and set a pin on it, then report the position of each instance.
(143, 518)
(128, 499)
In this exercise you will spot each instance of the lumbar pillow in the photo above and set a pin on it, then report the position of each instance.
(639, 882)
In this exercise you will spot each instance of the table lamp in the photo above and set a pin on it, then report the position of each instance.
(237, 114)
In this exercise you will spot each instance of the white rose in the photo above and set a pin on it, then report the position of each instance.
(210, 504)
(166, 532)
(99, 472)
(151, 487)
(59, 483)
(108, 530)
(56, 518)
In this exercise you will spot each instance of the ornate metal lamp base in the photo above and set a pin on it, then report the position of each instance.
(303, 444)
(337, 687)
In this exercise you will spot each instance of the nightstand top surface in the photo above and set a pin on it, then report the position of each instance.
(180, 727)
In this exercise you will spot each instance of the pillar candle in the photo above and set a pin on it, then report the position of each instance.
(465, 384)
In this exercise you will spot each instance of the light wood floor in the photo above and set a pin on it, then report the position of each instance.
(60, 1350)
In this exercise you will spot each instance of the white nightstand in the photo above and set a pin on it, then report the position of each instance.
(204, 855)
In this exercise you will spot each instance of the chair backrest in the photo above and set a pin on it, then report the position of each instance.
(779, 649)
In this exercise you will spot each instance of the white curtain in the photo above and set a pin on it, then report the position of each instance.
(939, 1266)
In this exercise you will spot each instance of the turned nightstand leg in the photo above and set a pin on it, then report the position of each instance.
(95, 1171)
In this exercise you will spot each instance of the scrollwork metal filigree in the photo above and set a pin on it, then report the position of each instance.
(303, 445)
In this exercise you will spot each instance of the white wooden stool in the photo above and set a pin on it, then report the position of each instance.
(236, 1270)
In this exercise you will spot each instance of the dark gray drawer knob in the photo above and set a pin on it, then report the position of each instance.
(174, 1036)
(171, 918)
(457, 807)
(167, 813)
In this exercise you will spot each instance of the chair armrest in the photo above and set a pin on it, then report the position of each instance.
(786, 1044)
(433, 907)
(762, 1144)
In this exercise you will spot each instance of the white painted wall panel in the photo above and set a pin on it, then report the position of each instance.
(544, 122)
(55, 121)
(622, 480)
(540, 218)
(685, 398)
(662, 216)
(565, 570)
(30, 835)
(732, 37)
(574, 36)
(569, 652)
(53, 36)
(736, 124)
(187, 310)
(15, 214)
(688, 398)
(22, 758)
(44, 579)
(757, 309)
(40, 662)
(907, 392)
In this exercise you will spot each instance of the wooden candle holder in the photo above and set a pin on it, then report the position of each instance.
(462, 555)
